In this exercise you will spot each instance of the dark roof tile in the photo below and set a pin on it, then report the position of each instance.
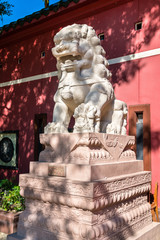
(36, 15)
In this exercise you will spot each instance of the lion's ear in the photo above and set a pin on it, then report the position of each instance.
(95, 41)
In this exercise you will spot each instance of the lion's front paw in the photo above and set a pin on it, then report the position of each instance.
(87, 118)
(113, 129)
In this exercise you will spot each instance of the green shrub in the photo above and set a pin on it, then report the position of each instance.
(10, 198)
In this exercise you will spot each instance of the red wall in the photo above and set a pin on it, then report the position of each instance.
(135, 82)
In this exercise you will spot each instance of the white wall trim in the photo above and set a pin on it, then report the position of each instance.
(135, 56)
(112, 61)
(29, 79)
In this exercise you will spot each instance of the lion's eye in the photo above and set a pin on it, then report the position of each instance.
(56, 41)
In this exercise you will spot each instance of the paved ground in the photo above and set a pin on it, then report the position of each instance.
(3, 236)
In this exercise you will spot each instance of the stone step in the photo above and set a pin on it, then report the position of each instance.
(86, 172)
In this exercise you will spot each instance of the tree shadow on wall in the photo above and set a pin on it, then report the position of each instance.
(122, 39)
(8, 174)
(20, 102)
(155, 139)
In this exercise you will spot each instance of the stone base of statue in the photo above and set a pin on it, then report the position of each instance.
(86, 186)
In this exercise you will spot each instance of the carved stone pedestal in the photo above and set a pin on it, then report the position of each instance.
(85, 186)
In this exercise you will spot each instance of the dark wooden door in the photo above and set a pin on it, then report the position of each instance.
(40, 121)
(139, 126)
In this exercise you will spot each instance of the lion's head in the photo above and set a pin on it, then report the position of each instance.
(77, 49)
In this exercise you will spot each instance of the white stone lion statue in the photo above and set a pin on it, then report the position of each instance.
(84, 89)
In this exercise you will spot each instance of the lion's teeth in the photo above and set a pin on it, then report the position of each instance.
(68, 61)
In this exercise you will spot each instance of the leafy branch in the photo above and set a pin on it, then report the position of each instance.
(5, 9)
(10, 198)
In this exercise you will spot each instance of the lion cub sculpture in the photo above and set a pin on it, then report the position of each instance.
(84, 89)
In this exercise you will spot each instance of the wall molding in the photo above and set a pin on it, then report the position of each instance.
(135, 56)
(29, 79)
(112, 61)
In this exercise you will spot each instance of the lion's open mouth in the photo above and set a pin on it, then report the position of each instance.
(68, 61)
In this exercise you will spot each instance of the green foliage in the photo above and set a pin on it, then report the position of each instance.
(10, 198)
(5, 184)
(5, 9)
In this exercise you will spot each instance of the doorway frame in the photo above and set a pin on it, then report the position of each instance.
(145, 109)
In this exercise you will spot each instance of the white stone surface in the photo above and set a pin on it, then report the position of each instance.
(3, 236)
(84, 89)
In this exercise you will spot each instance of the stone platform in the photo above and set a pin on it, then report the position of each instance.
(86, 186)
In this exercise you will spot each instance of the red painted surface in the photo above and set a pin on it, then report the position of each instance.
(135, 82)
